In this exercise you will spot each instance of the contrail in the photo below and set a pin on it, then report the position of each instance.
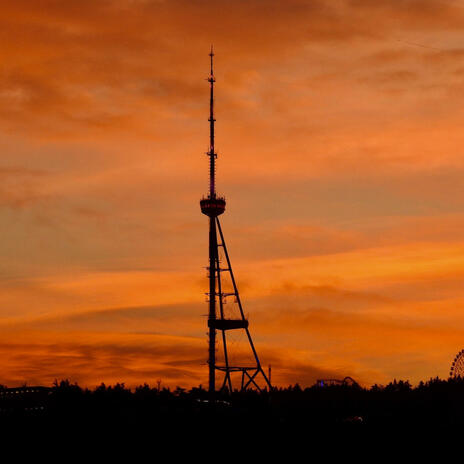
(420, 45)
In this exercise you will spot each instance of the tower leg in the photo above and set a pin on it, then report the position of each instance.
(212, 306)
(259, 369)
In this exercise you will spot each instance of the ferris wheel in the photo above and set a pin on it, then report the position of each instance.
(457, 366)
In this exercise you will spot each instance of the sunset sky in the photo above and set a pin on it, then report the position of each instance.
(339, 134)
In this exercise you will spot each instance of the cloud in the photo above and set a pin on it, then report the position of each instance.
(39, 358)
(175, 319)
(69, 66)
(337, 151)
(90, 360)
(20, 187)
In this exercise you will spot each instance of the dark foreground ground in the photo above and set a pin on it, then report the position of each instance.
(437, 404)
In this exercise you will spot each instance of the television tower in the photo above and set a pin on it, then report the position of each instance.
(213, 206)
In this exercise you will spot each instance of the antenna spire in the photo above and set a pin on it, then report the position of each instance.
(211, 54)
(211, 153)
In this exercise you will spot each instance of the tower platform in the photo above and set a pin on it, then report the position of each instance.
(213, 207)
(228, 324)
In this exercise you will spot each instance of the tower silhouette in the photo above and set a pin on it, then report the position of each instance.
(221, 321)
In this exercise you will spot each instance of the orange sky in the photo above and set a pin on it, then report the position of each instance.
(339, 127)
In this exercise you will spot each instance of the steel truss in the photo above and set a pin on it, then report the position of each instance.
(222, 324)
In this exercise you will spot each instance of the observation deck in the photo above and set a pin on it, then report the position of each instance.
(213, 207)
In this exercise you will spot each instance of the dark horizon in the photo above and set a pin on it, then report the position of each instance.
(435, 404)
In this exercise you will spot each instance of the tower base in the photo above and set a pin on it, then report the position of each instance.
(250, 373)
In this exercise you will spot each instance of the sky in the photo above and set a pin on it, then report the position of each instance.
(339, 135)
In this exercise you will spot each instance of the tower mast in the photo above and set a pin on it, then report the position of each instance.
(213, 206)
(212, 155)
(214, 210)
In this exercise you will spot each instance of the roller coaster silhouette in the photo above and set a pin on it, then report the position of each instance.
(347, 381)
